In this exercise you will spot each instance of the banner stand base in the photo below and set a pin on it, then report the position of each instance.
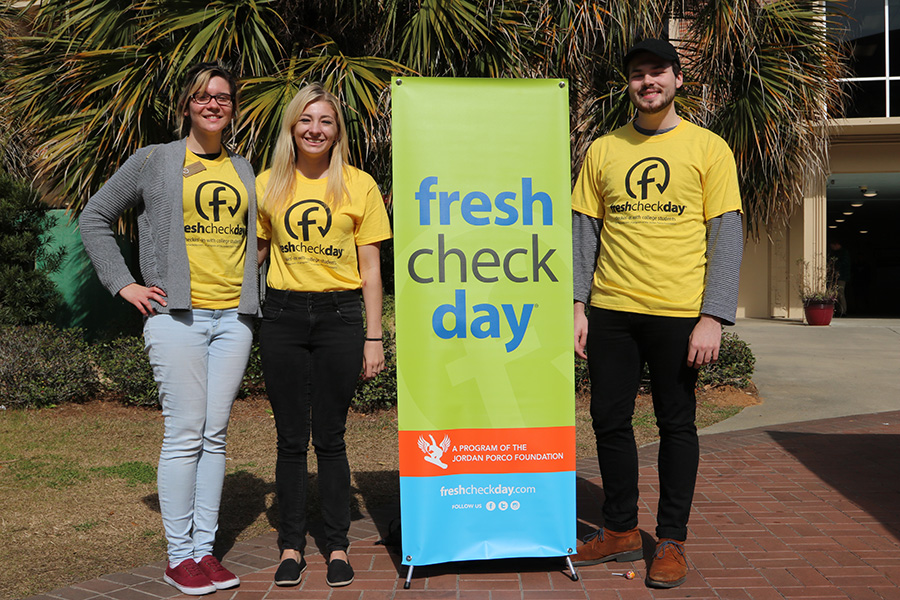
(408, 578)
(573, 574)
(572, 570)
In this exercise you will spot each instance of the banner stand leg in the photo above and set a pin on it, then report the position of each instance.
(571, 569)
(572, 573)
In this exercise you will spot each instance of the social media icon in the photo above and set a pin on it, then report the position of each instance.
(503, 505)
(514, 505)
(490, 506)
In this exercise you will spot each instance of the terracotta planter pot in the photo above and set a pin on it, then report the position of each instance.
(819, 313)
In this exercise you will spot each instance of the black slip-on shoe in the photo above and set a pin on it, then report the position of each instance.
(340, 573)
(290, 572)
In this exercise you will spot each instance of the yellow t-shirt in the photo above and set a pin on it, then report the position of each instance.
(313, 245)
(655, 195)
(215, 230)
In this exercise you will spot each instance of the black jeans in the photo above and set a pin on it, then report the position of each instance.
(618, 345)
(311, 346)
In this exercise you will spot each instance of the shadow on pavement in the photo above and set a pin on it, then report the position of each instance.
(863, 468)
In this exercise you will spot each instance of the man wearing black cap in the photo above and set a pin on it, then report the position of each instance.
(657, 241)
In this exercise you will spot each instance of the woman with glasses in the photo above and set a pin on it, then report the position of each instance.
(323, 221)
(196, 207)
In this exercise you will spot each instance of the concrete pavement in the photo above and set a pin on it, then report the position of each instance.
(851, 367)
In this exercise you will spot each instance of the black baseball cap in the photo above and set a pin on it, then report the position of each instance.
(660, 48)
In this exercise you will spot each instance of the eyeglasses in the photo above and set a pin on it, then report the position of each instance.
(204, 98)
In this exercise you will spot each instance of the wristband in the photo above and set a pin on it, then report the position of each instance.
(378, 339)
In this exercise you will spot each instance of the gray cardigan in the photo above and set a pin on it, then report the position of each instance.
(151, 180)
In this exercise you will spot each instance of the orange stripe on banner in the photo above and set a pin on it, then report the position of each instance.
(459, 451)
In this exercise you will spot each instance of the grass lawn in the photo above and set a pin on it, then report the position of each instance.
(78, 482)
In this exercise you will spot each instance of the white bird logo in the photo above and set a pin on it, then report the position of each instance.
(433, 452)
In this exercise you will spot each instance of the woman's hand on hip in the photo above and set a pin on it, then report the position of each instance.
(373, 359)
(141, 296)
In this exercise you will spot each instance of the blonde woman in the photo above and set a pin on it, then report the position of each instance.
(321, 223)
(196, 204)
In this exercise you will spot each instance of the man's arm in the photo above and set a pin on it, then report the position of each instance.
(724, 250)
(585, 248)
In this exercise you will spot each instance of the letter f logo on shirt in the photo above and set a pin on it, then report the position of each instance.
(214, 194)
(647, 175)
(306, 218)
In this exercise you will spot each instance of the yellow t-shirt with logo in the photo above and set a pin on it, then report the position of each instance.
(215, 230)
(655, 195)
(313, 245)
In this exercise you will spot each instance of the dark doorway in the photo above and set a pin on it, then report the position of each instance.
(869, 239)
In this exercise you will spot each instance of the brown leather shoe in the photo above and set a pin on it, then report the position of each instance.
(605, 545)
(669, 566)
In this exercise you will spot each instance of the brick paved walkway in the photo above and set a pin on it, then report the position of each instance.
(806, 510)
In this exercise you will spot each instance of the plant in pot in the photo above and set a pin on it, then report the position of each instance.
(818, 291)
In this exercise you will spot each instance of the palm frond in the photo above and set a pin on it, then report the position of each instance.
(95, 79)
(89, 24)
(237, 32)
(770, 75)
(460, 38)
(359, 82)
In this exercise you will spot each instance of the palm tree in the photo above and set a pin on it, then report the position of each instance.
(584, 42)
(360, 82)
(14, 141)
(96, 79)
(767, 80)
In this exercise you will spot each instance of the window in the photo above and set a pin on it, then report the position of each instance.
(872, 32)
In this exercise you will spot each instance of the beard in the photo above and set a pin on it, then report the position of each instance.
(659, 104)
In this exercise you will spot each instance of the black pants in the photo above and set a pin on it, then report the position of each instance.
(311, 346)
(618, 345)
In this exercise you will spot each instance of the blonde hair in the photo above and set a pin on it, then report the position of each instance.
(196, 80)
(282, 179)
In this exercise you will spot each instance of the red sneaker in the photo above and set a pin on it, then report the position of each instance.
(221, 577)
(189, 579)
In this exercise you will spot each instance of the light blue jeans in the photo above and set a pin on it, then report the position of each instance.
(198, 358)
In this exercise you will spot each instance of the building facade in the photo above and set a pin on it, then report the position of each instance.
(856, 210)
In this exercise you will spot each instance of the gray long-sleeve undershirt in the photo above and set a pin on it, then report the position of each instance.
(724, 250)
(585, 250)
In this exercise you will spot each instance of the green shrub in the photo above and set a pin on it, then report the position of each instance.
(582, 376)
(27, 295)
(127, 376)
(734, 367)
(380, 392)
(253, 383)
(376, 394)
(43, 366)
(735, 364)
(126, 372)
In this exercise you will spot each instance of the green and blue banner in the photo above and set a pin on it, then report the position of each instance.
(483, 275)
